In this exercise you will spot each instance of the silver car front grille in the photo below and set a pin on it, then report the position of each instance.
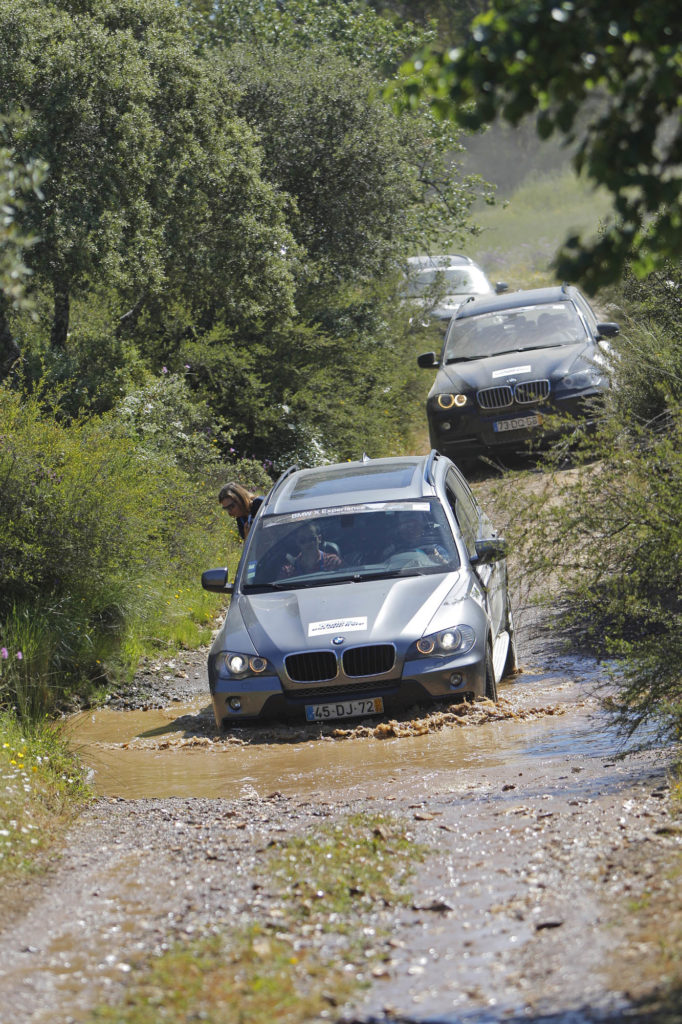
(373, 660)
(526, 392)
(311, 666)
(319, 666)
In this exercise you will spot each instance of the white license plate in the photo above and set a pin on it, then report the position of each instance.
(344, 709)
(518, 423)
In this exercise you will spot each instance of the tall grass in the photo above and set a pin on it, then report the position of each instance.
(43, 786)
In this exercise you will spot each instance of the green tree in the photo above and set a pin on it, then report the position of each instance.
(333, 146)
(352, 27)
(154, 186)
(363, 179)
(607, 76)
(365, 188)
(17, 180)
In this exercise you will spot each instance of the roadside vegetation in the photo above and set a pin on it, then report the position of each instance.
(43, 786)
(611, 539)
(312, 952)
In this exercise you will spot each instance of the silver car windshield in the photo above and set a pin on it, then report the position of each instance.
(349, 544)
(549, 325)
(448, 281)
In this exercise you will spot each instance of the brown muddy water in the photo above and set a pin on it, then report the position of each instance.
(175, 751)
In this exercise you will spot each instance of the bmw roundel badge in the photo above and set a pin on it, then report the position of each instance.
(338, 640)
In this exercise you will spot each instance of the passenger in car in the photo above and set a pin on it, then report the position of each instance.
(241, 504)
(311, 556)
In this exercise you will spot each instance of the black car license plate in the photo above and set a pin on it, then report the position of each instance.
(518, 423)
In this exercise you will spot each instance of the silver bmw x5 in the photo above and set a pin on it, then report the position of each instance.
(363, 588)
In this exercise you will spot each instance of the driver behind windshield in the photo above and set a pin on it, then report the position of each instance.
(410, 535)
(311, 557)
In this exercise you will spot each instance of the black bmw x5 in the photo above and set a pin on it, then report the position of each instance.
(509, 362)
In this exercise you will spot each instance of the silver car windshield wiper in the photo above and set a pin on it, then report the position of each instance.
(360, 577)
(279, 585)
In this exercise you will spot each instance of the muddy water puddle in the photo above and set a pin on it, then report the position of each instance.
(176, 752)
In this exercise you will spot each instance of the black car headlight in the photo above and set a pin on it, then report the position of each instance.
(240, 665)
(578, 380)
(444, 643)
(451, 401)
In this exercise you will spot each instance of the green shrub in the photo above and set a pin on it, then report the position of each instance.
(102, 542)
(606, 541)
(649, 366)
(164, 417)
(608, 549)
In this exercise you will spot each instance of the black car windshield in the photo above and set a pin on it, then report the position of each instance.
(549, 325)
(350, 543)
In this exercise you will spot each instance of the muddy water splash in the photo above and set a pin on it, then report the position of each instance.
(176, 752)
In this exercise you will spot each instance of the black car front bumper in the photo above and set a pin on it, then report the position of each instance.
(464, 434)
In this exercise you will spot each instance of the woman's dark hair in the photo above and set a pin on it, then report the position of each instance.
(236, 492)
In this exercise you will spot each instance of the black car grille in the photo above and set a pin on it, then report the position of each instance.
(529, 391)
(524, 393)
(311, 667)
(369, 661)
(496, 398)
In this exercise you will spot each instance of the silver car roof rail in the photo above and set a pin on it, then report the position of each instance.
(428, 467)
(280, 480)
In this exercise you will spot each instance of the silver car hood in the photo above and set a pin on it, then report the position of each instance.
(376, 611)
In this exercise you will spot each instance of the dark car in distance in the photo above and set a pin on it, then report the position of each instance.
(508, 363)
(363, 588)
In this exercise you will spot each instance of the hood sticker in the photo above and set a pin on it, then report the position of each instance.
(337, 626)
(511, 369)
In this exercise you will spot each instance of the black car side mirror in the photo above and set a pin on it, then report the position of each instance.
(501, 286)
(491, 549)
(216, 580)
(427, 360)
(607, 330)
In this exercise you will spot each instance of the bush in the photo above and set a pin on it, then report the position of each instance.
(608, 545)
(102, 542)
(165, 418)
(649, 371)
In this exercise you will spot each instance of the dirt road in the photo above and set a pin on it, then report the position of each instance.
(541, 842)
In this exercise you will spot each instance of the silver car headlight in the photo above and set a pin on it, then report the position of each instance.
(446, 642)
(240, 665)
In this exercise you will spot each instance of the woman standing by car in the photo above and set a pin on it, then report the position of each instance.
(241, 504)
